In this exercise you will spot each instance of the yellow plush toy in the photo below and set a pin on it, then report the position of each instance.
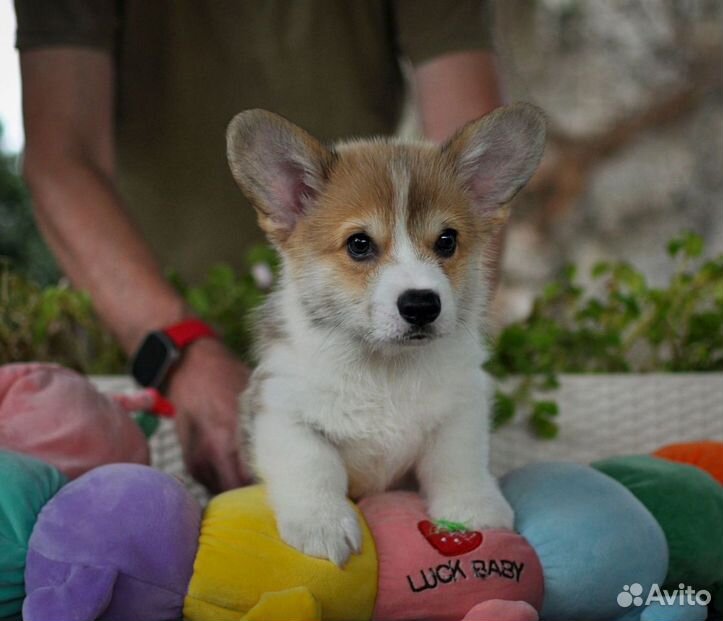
(245, 572)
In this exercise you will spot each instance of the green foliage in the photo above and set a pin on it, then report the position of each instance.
(225, 299)
(54, 324)
(622, 324)
(58, 324)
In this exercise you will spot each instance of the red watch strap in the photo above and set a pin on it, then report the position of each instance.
(161, 406)
(186, 332)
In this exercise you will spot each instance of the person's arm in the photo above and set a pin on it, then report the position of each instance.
(452, 90)
(69, 166)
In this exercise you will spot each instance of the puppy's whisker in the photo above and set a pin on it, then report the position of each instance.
(330, 333)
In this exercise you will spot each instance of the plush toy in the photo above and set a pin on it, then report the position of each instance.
(57, 415)
(128, 542)
(26, 484)
(592, 536)
(244, 571)
(117, 544)
(127, 536)
(707, 455)
(688, 504)
(408, 569)
(421, 565)
(132, 546)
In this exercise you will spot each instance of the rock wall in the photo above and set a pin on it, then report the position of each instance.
(633, 90)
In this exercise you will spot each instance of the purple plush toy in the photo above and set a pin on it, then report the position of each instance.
(121, 557)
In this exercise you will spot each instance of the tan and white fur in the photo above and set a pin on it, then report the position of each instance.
(349, 396)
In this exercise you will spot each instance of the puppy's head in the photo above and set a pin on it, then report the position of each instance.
(385, 240)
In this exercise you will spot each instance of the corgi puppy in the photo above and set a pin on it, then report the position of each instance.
(370, 349)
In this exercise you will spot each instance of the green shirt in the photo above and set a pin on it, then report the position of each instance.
(186, 67)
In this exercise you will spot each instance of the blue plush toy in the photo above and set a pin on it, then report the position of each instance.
(596, 543)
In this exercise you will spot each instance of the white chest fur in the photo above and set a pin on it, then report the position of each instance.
(378, 412)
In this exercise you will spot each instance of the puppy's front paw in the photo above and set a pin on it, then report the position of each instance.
(329, 531)
(487, 509)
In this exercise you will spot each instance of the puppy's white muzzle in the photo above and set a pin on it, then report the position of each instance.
(411, 299)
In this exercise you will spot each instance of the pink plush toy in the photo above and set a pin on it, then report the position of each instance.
(57, 415)
(494, 575)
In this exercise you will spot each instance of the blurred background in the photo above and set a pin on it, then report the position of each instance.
(612, 277)
(633, 90)
(21, 247)
(10, 112)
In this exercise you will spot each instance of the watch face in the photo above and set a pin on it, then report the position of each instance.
(154, 359)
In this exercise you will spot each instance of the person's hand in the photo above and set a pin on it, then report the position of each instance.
(205, 388)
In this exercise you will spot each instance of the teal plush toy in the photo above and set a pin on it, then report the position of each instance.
(27, 484)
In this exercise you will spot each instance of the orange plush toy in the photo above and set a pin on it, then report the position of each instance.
(707, 455)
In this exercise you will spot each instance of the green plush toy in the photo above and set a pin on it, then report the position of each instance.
(688, 504)
(26, 486)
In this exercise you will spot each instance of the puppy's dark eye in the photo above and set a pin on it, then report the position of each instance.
(446, 243)
(360, 246)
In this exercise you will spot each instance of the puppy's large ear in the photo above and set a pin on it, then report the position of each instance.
(496, 155)
(280, 168)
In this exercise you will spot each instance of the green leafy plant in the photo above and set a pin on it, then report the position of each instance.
(619, 324)
(54, 324)
(58, 324)
(225, 299)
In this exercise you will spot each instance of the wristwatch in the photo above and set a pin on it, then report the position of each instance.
(161, 350)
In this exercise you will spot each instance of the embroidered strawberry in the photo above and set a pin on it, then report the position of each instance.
(450, 538)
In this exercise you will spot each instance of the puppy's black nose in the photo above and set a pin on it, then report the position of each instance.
(419, 306)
